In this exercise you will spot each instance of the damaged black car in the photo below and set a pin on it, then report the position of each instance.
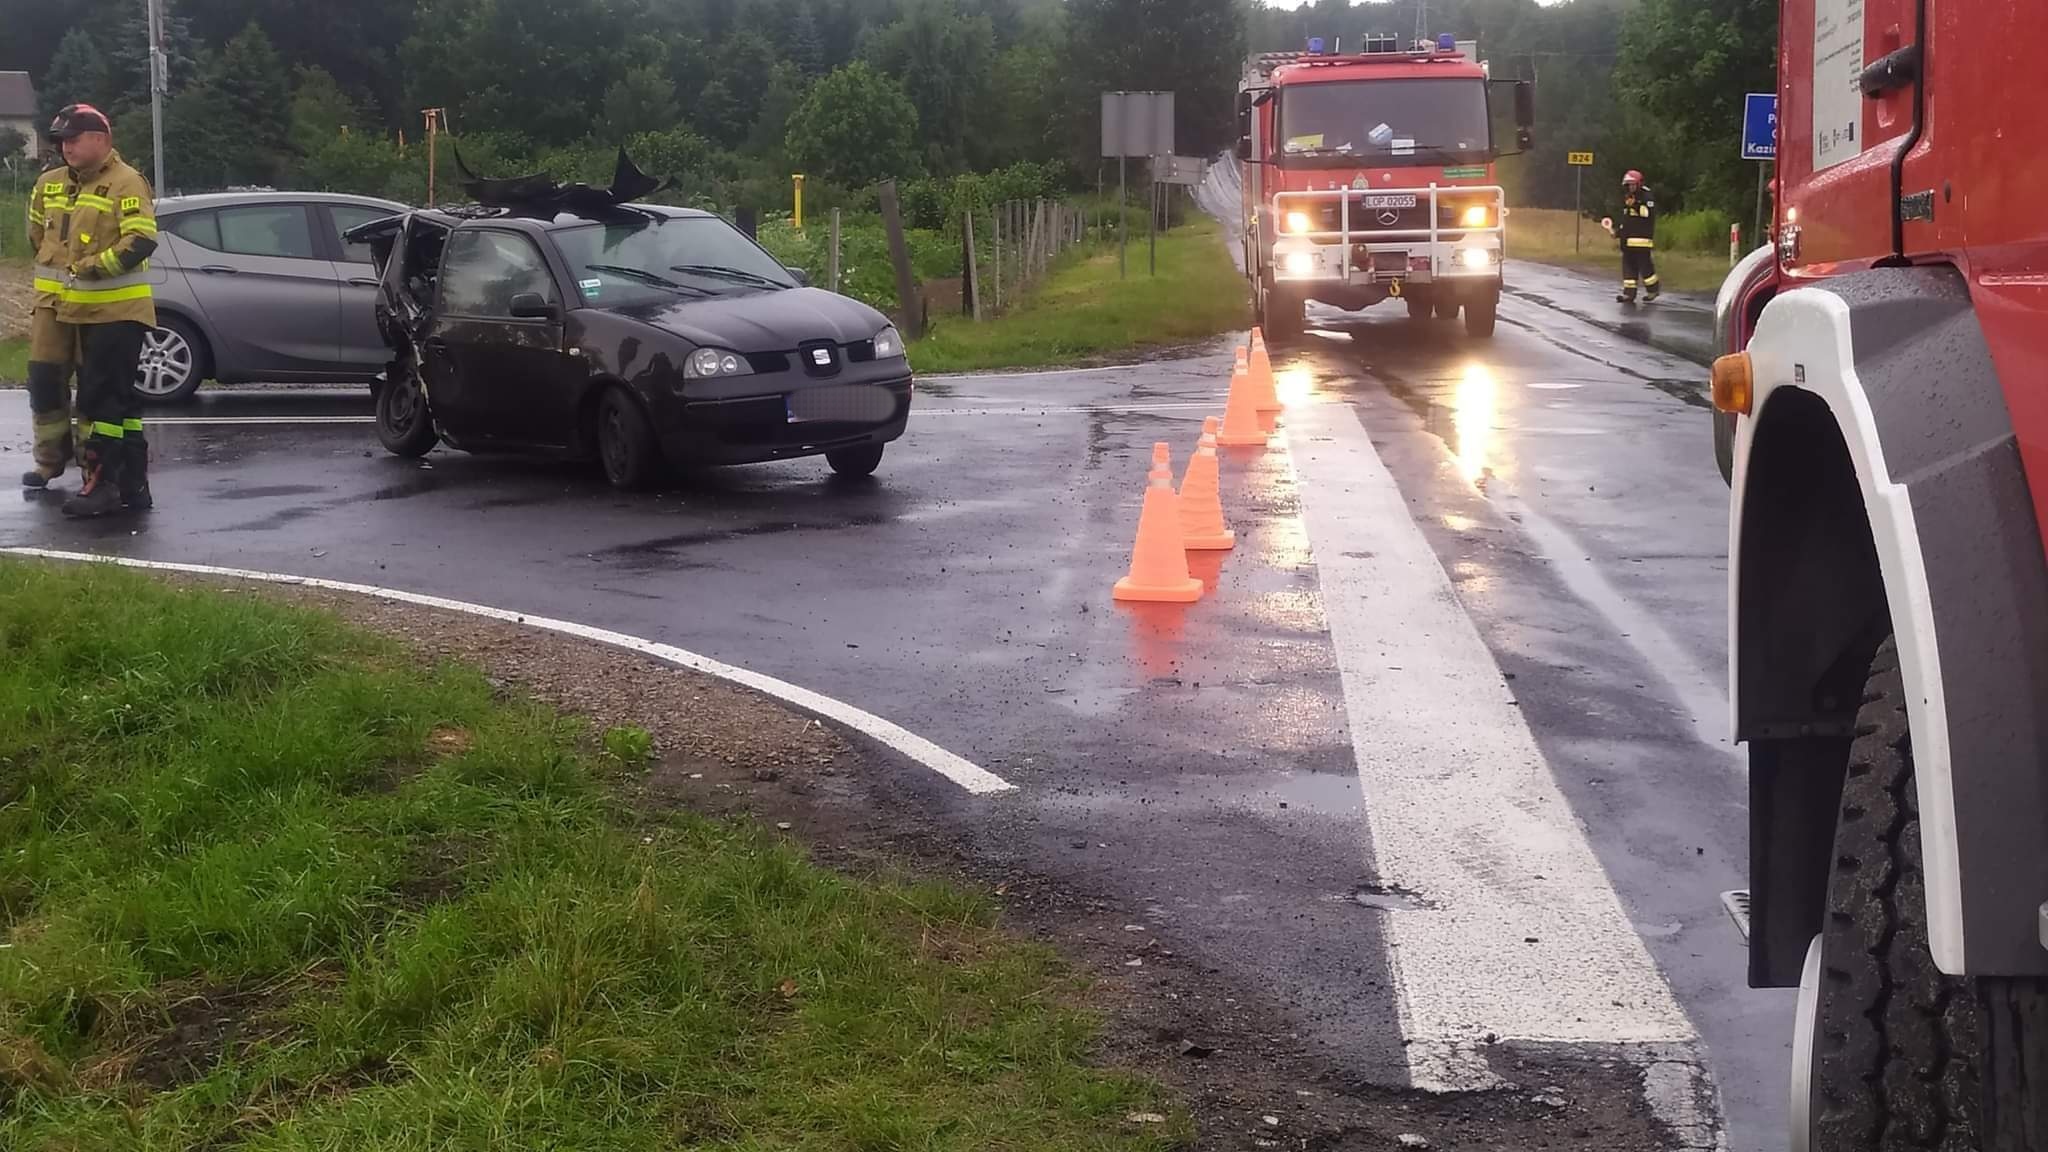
(576, 321)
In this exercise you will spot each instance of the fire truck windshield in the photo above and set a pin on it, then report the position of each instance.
(1398, 123)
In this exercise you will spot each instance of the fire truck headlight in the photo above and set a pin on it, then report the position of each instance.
(1299, 222)
(1475, 257)
(1301, 263)
(1477, 216)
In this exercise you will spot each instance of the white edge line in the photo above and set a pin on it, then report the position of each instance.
(959, 770)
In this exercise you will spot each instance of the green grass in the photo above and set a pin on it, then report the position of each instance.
(14, 360)
(264, 882)
(1083, 310)
(1544, 235)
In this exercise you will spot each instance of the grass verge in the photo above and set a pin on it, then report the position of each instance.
(1084, 310)
(1544, 235)
(267, 882)
(14, 360)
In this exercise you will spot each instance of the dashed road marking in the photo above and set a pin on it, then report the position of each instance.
(959, 770)
(1525, 939)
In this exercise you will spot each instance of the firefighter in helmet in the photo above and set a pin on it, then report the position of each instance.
(1636, 229)
(92, 226)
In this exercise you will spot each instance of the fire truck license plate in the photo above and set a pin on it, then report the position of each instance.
(1389, 201)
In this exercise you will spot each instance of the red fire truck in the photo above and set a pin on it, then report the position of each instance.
(1885, 432)
(1370, 175)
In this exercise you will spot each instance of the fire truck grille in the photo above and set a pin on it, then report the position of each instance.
(1364, 219)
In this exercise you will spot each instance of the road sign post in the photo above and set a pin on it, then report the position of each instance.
(1580, 161)
(1760, 141)
(1134, 124)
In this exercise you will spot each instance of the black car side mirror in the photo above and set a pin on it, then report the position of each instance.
(799, 275)
(533, 306)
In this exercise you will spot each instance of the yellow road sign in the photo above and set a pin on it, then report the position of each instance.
(1579, 159)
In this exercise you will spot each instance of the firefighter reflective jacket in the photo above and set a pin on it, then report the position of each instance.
(1636, 227)
(93, 233)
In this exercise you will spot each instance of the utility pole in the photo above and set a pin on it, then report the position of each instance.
(159, 83)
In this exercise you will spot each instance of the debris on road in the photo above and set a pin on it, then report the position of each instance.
(1144, 1118)
(1196, 1051)
(1411, 1140)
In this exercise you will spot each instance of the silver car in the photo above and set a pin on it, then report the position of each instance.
(260, 286)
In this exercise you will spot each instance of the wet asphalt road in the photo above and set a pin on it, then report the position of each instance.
(1195, 765)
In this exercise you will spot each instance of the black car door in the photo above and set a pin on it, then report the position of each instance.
(494, 376)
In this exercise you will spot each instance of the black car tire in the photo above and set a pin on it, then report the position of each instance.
(625, 442)
(1480, 313)
(172, 345)
(855, 463)
(1902, 1057)
(405, 418)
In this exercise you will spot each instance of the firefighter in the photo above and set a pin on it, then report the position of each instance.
(92, 225)
(1636, 229)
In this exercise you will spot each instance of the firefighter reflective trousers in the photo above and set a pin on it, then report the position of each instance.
(104, 357)
(52, 357)
(1638, 267)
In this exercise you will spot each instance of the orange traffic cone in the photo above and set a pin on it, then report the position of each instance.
(1201, 497)
(1262, 377)
(1159, 559)
(1241, 427)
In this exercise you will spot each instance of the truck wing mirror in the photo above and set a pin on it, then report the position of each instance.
(1525, 108)
(1244, 148)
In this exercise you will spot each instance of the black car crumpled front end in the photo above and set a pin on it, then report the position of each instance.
(811, 378)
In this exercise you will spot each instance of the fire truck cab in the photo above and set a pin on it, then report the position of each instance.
(1884, 428)
(1370, 176)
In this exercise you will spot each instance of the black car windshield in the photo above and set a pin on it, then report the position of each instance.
(633, 261)
(1397, 123)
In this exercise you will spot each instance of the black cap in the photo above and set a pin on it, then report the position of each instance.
(76, 120)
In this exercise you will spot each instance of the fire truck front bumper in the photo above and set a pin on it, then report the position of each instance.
(1306, 260)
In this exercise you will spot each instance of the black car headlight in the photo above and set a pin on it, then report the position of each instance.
(888, 343)
(709, 363)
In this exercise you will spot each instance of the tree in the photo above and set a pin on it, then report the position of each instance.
(943, 59)
(255, 97)
(787, 88)
(744, 61)
(642, 100)
(13, 146)
(78, 74)
(1192, 48)
(855, 128)
(806, 49)
(321, 112)
(1684, 64)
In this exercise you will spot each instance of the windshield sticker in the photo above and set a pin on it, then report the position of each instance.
(1404, 147)
(1380, 136)
(1305, 143)
(1837, 63)
(590, 288)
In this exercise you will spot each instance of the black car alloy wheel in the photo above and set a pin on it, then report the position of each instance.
(405, 421)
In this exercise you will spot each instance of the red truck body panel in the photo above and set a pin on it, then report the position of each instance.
(1978, 167)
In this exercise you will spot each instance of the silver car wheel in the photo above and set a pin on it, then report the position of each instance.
(167, 363)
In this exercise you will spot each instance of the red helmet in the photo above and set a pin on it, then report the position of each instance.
(1632, 177)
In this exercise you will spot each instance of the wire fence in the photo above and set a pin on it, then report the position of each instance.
(1024, 238)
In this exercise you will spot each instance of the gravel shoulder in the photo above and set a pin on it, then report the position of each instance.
(1247, 1077)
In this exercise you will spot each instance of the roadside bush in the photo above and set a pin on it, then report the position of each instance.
(1702, 231)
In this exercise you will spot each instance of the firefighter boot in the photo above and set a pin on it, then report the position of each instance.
(51, 419)
(100, 494)
(135, 472)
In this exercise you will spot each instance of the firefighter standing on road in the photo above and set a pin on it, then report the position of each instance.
(92, 224)
(1636, 229)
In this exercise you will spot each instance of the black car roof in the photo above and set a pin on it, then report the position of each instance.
(472, 214)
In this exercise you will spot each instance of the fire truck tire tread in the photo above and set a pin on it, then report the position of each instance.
(1480, 315)
(1447, 308)
(1907, 1059)
(1419, 307)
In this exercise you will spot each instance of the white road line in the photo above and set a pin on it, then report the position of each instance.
(966, 774)
(1519, 934)
(194, 420)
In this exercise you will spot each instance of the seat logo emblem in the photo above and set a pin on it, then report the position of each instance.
(822, 357)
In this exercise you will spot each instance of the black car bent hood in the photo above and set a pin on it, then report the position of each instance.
(768, 321)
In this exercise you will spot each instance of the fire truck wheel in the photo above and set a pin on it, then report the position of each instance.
(1902, 1056)
(1284, 318)
(1419, 307)
(1479, 315)
(1447, 308)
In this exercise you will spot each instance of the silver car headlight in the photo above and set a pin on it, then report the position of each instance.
(708, 363)
(888, 343)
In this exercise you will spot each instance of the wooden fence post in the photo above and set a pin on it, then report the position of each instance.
(973, 283)
(899, 255)
(995, 218)
(832, 260)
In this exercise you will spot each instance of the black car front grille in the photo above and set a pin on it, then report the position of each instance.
(768, 363)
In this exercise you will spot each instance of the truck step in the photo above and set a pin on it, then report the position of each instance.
(1737, 904)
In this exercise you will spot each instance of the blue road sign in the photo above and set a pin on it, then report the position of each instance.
(1760, 126)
